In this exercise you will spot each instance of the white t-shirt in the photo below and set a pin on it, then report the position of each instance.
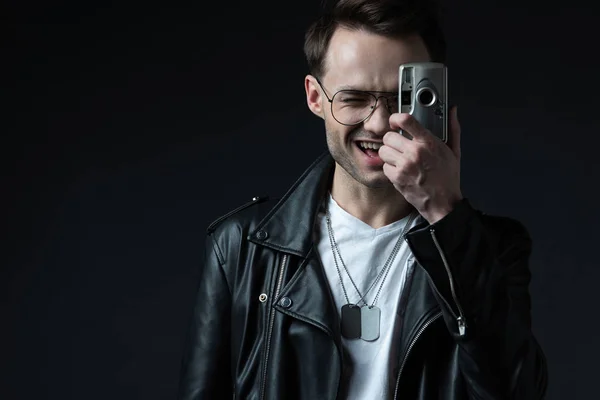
(365, 250)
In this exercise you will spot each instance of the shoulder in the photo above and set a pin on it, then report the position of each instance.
(227, 234)
(495, 229)
(504, 224)
(243, 217)
(507, 231)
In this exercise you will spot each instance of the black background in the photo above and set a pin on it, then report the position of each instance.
(129, 128)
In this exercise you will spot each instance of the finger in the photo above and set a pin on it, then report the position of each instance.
(409, 124)
(455, 132)
(396, 141)
(394, 174)
(389, 155)
(389, 170)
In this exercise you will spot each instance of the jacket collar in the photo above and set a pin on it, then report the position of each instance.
(288, 227)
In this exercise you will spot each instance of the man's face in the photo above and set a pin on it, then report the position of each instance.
(362, 61)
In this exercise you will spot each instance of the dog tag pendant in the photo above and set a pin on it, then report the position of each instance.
(351, 316)
(369, 323)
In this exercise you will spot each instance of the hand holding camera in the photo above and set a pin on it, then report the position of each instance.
(419, 162)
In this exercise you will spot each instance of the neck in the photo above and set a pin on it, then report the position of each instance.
(376, 207)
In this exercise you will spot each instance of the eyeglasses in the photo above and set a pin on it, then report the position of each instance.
(352, 107)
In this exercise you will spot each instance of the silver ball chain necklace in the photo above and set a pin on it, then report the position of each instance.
(363, 321)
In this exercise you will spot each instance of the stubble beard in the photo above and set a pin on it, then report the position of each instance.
(344, 158)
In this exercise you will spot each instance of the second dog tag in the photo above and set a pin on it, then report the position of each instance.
(369, 323)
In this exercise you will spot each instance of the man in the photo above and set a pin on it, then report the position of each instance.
(373, 277)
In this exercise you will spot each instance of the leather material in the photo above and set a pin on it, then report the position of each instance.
(286, 343)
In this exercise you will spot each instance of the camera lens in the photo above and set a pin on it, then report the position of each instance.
(426, 97)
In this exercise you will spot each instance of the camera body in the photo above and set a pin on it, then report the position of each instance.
(423, 93)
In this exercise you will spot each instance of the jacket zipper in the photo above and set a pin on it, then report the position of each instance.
(460, 320)
(412, 344)
(271, 323)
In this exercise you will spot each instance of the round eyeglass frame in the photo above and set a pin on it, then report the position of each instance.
(387, 96)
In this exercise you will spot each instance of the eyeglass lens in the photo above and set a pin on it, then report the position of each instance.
(352, 107)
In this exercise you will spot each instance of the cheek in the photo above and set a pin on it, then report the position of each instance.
(336, 132)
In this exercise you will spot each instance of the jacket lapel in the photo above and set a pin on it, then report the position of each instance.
(289, 228)
(311, 297)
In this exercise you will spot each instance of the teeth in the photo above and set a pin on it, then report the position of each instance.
(370, 145)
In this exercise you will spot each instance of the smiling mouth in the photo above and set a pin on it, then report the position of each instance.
(369, 148)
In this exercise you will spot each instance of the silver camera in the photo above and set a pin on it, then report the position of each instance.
(423, 93)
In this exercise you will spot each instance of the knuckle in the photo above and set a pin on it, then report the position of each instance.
(424, 148)
(400, 119)
(401, 171)
(404, 119)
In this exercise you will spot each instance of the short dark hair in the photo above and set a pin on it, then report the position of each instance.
(391, 18)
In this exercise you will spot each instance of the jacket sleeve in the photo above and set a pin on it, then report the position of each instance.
(206, 372)
(479, 270)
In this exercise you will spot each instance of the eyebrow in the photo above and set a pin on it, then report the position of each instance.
(349, 87)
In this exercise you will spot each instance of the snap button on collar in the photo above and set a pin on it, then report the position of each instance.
(286, 302)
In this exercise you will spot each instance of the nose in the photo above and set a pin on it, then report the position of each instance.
(379, 121)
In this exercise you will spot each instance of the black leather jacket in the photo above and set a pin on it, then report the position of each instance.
(265, 325)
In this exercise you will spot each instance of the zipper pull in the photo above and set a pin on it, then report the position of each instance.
(462, 327)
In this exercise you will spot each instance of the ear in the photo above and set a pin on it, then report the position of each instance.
(314, 100)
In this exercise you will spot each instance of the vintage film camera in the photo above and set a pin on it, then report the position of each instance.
(423, 93)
